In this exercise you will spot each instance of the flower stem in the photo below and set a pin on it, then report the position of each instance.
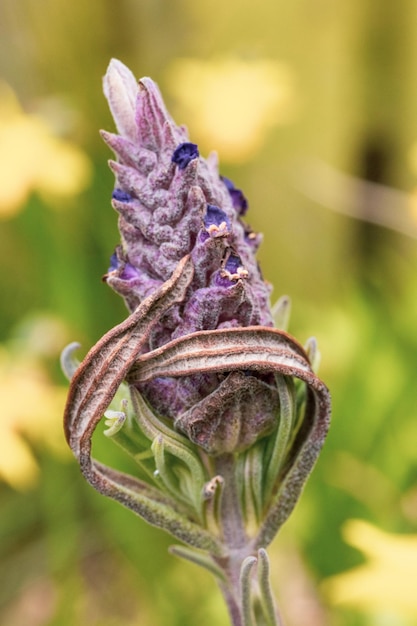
(233, 606)
(233, 535)
(245, 588)
(230, 510)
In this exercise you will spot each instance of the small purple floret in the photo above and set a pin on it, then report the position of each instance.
(238, 199)
(121, 196)
(184, 153)
(216, 220)
(233, 263)
(126, 271)
(129, 272)
(233, 270)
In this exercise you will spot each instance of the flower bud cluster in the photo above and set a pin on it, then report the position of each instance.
(171, 203)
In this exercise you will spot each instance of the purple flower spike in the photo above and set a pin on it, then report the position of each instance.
(223, 413)
(167, 213)
(185, 153)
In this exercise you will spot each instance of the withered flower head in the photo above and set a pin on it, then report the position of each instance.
(172, 202)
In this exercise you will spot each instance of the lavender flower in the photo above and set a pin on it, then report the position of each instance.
(223, 413)
(172, 202)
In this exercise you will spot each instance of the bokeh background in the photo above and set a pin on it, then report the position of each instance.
(312, 106)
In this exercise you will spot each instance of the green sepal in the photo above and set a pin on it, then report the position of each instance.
(127, 435)
(281, 312)
(212, 495)
(177, 462)
(165, 472)
(265, 591)
(250, 475)
(246, 590)
(313, 353)
(153, 506)
(276, 456)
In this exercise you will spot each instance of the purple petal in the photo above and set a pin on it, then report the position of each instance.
(121, 196)
(184, 153)
(240, 204)
(216, 221)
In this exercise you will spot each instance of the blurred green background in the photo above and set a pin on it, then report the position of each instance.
(311, 105)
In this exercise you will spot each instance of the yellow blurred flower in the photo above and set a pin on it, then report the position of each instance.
(31, 414)
(386, 582)
(231, 103)
(33, 159)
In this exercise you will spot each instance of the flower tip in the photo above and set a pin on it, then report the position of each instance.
(116, 65)
(147, 83)
(117, 72)
(120, 88)
(150, 87)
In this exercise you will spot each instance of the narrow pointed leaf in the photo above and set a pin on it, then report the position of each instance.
(304, 454)
(267, 598)
(246, 590)
(258, 348)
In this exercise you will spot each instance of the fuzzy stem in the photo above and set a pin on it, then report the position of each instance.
(241, 591)
(230, 510)
(233, 605)
(234, 536)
